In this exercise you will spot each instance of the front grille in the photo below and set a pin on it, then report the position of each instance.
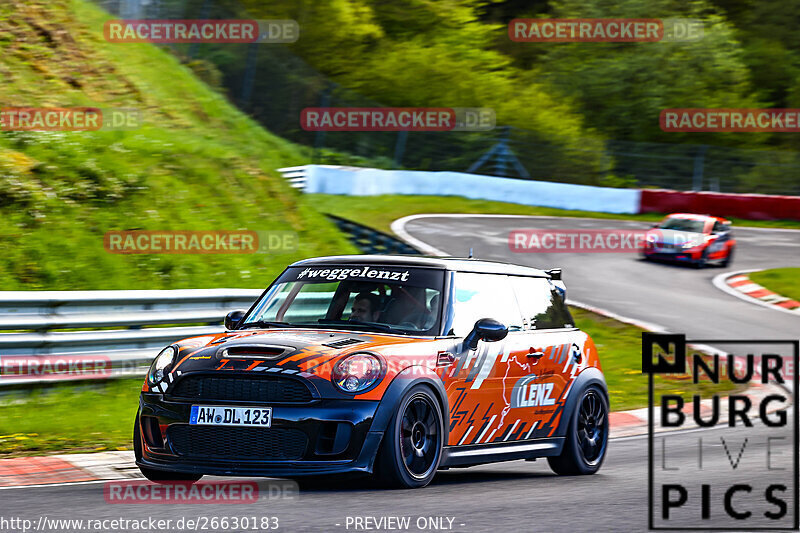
(266, 444)
(267, 389)
(667, 246)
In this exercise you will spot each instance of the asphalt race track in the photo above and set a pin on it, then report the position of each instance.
(676, 297)
(526, 496)
(514, 496)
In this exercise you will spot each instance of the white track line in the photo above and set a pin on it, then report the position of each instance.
(720, 282)
(67, 483)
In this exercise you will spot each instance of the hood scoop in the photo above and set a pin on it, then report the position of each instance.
(343, 342)
(255, 351)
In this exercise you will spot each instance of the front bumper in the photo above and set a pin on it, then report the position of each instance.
(330, 437)
(678, 256)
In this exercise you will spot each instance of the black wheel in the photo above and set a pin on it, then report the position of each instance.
(728, 258)
(158, 476)
(701, 263)
(412, 445)
(587, 436)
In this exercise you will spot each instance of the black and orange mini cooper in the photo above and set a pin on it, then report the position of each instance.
(385, 365)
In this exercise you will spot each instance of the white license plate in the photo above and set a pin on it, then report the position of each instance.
(216, 415)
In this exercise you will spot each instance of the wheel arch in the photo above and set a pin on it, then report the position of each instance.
(402, 383)
(590, 376)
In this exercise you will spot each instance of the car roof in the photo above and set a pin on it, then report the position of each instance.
(443, 263)
(695, 216)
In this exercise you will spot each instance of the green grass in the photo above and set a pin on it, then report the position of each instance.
(69, 418)
(99, 417)
(197, 163)
(380, 211)
(619, 346)
(784, 281)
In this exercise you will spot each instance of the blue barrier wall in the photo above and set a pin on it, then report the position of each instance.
(372, 182)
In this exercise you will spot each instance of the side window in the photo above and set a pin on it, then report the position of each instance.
(542, 306)
(718, 226)
(479, 296)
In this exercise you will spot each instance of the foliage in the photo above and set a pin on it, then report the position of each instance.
(196, 163)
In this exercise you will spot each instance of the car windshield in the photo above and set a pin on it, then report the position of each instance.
(683, 224)
(378, 298)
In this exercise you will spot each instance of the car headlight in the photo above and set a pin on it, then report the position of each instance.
(160, 364)
(356, 372)
(690, 244)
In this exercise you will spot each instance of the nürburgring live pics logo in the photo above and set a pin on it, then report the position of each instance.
(742, 474)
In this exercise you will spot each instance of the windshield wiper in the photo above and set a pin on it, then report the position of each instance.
(267, 324)
(356, 324)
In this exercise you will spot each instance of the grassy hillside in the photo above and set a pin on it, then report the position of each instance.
(197, 163)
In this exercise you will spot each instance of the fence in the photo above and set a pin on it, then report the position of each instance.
(371, 241)
(273, 85)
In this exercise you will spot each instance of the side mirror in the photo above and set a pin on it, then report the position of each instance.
(486, 329)
(233, 318)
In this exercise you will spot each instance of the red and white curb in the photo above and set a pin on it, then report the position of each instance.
(738, 284)
(66, 469)
(634, 423)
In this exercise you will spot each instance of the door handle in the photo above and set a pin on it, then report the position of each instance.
(537, 355)
(444, 359)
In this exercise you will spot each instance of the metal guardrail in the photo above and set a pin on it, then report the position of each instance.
(128, 328)
(296, 176)
(371, 241)
(49, 324)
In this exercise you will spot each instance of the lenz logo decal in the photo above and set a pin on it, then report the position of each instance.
(527, 393)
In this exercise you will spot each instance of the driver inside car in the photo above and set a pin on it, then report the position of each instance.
(365, 308)
(409, 308)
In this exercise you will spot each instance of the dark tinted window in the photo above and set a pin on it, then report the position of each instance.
(541, 304)
(390, 298)
(683, 224)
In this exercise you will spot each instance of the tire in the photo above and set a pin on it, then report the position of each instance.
(728, 258)
(701, 263)
(158, 476)
(574, 459)
(412, 444)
